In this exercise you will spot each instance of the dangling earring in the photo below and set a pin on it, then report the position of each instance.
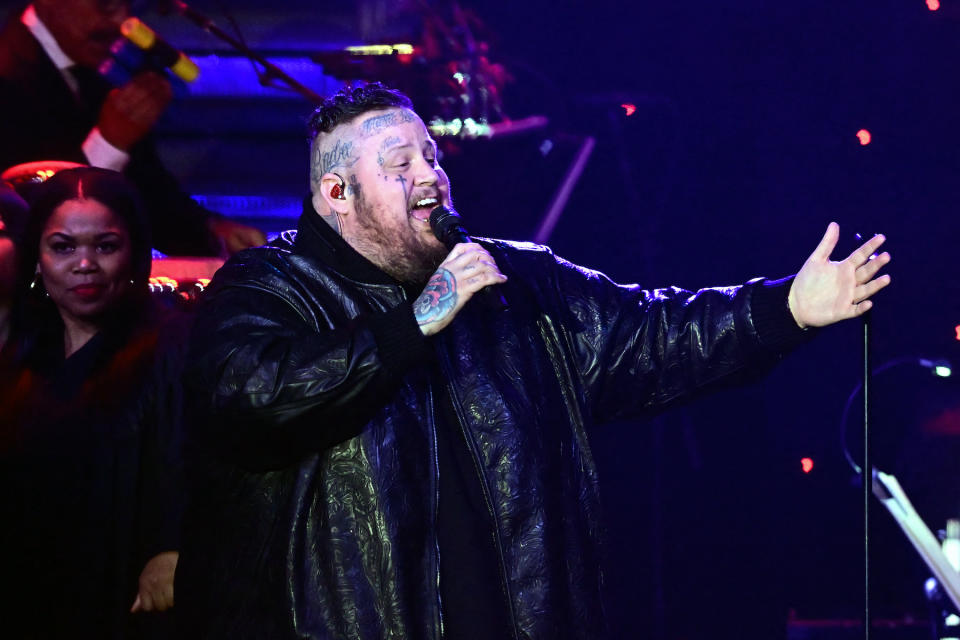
(37, 284)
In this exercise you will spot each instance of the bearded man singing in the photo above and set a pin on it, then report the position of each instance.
(379, 457)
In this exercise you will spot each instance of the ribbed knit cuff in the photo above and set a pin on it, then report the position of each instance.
(776, 328)
(400, 342)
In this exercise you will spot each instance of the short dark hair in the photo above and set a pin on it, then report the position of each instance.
(348, 103)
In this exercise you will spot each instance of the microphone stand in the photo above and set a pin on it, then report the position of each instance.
(272, 70)
(866, 475)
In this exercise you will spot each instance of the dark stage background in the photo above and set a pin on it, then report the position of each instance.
(741, 148)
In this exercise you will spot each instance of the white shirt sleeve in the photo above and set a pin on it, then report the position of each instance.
(101, 153)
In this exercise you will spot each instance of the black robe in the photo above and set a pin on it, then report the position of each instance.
(91, 487)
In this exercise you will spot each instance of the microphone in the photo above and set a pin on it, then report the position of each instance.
(141, 48)
(445, 224)
(158, 50)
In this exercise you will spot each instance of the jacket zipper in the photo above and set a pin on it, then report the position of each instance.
(435, 481)
(488, 501)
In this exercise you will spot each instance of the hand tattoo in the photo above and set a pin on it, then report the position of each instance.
(438, 298)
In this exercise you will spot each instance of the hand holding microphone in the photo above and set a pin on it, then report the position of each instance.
(158, 51)
(137, 67)
(129, 113)
(468, 269)
(142, 49)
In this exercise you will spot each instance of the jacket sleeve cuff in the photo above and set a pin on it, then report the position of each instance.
(777, 330)
(400, 342)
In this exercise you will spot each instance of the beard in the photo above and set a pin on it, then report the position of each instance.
(395, 247)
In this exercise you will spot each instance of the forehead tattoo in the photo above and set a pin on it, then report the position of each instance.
(376, 124)
(390, 142)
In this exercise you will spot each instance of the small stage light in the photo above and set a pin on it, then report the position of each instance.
(933, 5)
(381, 49)
(940, 368)
(806, 464)
(864, 137)
(629, 109)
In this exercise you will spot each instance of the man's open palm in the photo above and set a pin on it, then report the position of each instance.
(825, 292)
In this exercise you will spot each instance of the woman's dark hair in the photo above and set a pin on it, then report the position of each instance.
(110, 189)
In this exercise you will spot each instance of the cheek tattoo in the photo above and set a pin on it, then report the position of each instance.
(403, 185)
(353, 189)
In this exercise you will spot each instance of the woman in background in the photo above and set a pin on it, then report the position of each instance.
(92, 414)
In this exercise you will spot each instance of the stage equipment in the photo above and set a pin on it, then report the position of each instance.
(847, 629)
(449, 75)
(184, 269)
(942, 610)
(560, 198)
(140, 49)
(946, 571)
(446, 226)
(938, 368)
(867, 380)
(178, 282)
(159, 51)
(271, 73)
(887, 489)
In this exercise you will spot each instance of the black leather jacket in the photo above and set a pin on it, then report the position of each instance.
(316, 477)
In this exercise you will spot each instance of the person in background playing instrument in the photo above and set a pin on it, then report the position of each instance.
(54, 106)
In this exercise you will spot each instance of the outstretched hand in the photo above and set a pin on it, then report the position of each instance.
(825, 292)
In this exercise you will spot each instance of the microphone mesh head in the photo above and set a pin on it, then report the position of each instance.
(444, 222)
